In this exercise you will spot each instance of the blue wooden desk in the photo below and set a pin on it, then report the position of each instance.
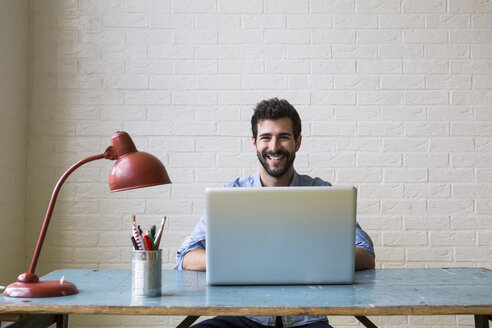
(454, 291)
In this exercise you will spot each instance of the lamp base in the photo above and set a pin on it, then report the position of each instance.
(43, 288)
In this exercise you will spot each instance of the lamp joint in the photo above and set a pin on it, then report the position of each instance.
(110, 153)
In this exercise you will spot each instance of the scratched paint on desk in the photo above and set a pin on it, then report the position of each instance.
(378, 288)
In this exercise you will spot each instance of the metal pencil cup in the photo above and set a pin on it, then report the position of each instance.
(146, 273)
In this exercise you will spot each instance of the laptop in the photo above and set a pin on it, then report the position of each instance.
(280, 235)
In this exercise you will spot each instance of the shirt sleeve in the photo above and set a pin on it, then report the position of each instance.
(362, 240)
(193, 241)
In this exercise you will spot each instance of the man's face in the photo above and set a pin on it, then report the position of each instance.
(275, 145)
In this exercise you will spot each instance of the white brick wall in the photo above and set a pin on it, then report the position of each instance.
(14, 88)
(394, 96)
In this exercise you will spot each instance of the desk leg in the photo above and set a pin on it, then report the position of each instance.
(188, 321)
(366, 322)
(62, 321)
(37, 321)
(482, 321)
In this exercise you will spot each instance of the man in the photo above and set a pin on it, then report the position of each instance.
(276, 128)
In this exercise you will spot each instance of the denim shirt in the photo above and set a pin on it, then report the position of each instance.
(197, 240)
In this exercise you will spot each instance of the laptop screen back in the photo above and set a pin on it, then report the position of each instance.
(280, 235)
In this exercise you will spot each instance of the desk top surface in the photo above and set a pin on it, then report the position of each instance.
(375, 292)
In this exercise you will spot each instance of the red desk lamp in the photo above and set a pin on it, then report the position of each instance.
(133, 169)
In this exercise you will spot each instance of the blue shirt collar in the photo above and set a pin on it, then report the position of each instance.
(257, 180)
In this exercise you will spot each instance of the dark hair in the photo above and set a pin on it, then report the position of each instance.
(273, 109)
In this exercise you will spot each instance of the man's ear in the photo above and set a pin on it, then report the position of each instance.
(253, 139)
(298, 142)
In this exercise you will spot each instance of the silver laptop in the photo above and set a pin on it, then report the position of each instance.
(280, 235)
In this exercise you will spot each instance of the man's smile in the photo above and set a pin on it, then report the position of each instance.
(276, 158)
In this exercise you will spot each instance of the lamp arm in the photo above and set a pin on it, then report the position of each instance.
(108, 154)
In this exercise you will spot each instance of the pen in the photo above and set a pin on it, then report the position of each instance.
(152, 231)
(159, 234)
(134, 242)
(148, 243)
(151, 239)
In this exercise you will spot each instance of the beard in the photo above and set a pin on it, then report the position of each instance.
(276, 170)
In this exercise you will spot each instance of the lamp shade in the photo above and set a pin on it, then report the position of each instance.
(134, 169)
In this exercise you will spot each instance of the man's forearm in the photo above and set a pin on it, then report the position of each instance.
(195, 260)
(363, 259)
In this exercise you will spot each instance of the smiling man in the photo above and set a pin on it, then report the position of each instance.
(276, 128)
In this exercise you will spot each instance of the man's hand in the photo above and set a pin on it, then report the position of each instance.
(195, 260)
(363, 259)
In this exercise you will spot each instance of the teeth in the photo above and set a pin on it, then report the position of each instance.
(276, 158)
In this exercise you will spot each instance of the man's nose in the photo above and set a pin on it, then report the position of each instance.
(274, 145)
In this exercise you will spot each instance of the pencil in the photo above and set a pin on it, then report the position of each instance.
(159, 234)
(136, 234)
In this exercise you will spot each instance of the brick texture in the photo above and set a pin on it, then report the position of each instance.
(394, 95)
(14, 84)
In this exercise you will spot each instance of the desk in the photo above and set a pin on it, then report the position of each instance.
(454, 291)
